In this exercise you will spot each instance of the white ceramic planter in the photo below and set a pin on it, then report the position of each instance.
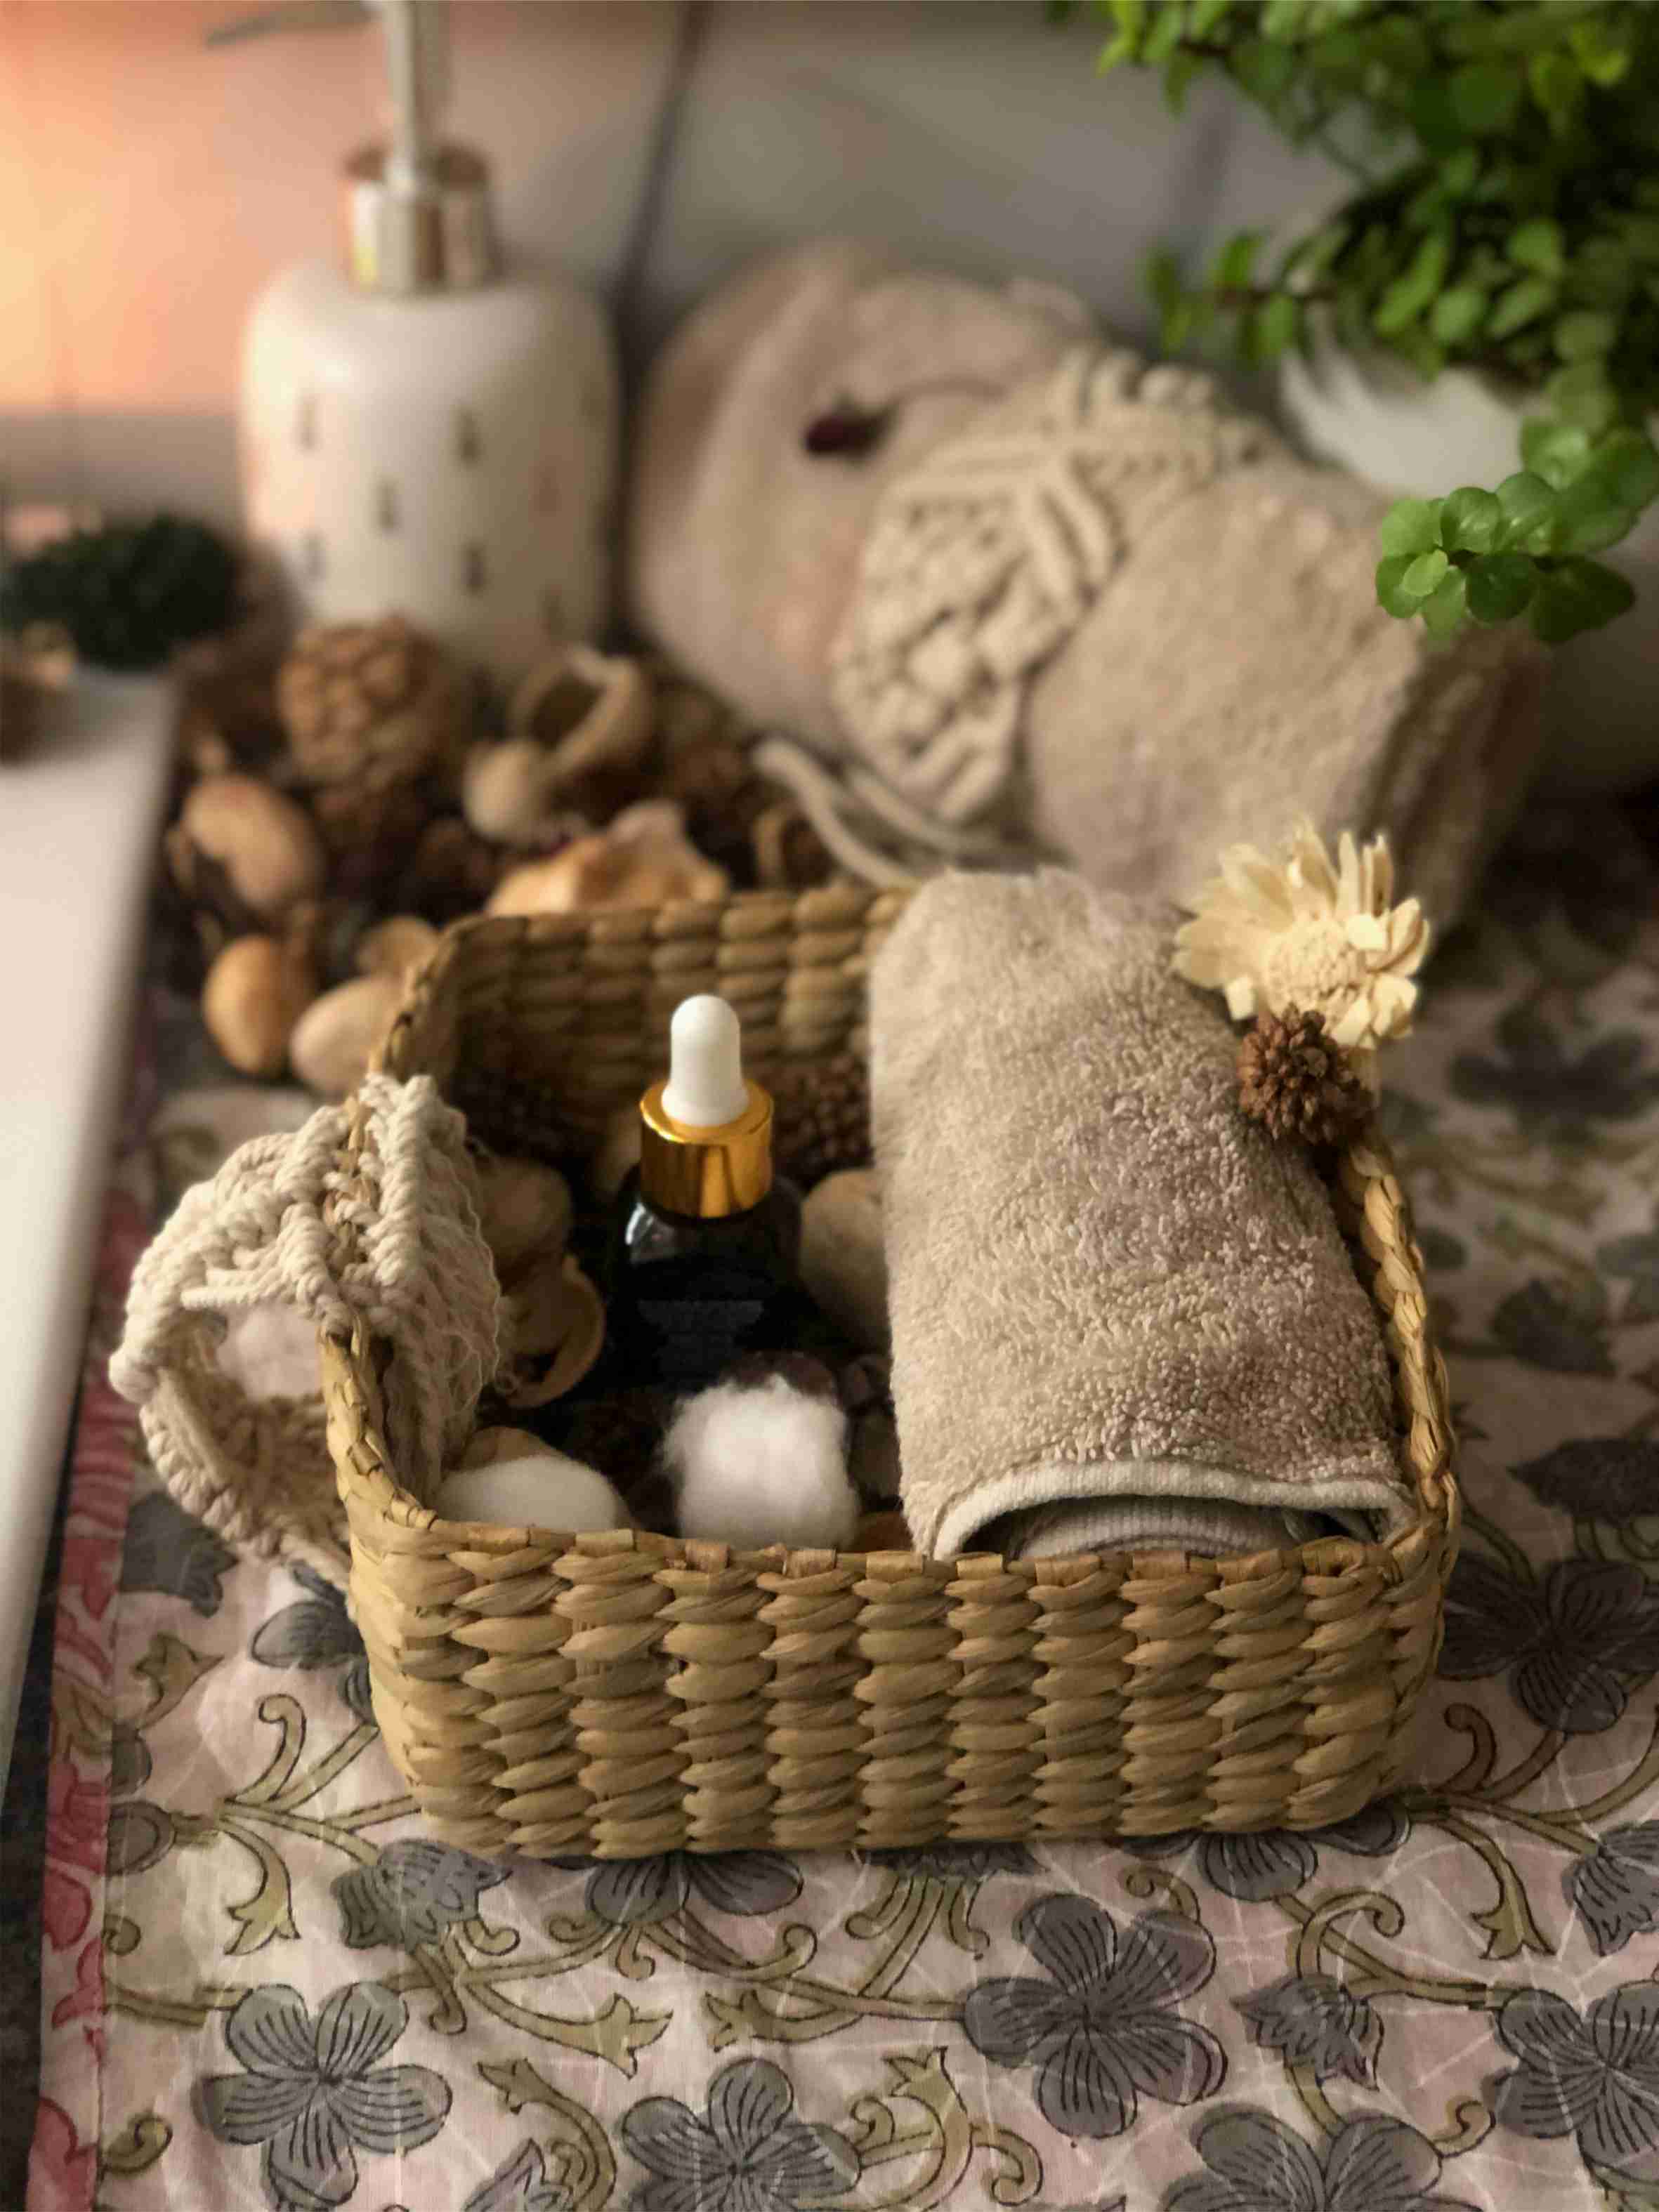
(1375, 416)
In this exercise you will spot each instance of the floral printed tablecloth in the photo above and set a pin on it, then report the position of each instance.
(262, 1986)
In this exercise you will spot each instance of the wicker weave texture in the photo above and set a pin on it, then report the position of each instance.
(623, 1694)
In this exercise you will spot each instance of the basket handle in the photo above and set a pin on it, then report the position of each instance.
(364, 1219)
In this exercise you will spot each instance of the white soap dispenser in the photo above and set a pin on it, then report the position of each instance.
(422, 433)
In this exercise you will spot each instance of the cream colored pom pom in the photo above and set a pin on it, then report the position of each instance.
(543, 1490)
(761, 1465)
(488, 1445)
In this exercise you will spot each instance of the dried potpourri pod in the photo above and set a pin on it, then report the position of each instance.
(1296, 1082)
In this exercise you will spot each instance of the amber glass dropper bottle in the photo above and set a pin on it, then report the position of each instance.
(703, 1261)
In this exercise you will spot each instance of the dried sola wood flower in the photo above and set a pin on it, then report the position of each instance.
(1308, 931)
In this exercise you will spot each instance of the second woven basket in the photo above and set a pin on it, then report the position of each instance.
(622, 1694)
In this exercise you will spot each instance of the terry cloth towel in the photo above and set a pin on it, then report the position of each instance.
(1105, 1283)
(1207, 1527)
(1049, 599)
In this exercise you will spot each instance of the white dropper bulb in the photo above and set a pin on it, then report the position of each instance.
(705, 1088)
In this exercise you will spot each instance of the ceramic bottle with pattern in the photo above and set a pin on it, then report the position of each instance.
(423, 430)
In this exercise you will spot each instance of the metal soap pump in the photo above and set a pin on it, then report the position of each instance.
(422, 433)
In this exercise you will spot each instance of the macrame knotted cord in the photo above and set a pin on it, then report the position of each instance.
(390, 1242)
(980, 564)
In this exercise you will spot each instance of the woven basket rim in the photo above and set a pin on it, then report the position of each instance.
(367, 1481)
(704, 1556)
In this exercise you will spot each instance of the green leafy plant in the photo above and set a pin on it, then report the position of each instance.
(127, 593)
(1504, 218)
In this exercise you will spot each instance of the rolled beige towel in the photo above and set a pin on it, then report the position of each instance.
(1121, 1316)
(1060, 601)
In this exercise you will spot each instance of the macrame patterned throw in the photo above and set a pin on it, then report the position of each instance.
(984, 559)
(262, 1232)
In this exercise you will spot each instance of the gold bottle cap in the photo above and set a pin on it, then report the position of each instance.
(705, 1173)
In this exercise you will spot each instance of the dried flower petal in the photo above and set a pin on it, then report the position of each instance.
(1311, 931)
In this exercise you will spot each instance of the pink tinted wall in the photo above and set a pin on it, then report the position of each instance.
(149, 184)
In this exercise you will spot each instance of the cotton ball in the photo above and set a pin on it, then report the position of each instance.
(270, 1352)
(754, 1467)
(487, 1446)
(543, 1489)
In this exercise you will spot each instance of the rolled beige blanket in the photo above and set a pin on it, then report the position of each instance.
(1122, 1317)
(1030, 594)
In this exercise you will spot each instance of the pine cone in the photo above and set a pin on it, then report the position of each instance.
(227, 692)
(714, 777)
(370, 708)
(809, 1377)
(522, 1118)
(688, 715)
(620, 1434)
(722, 797)
(371, 832)
(1292, 1079)
(789, 854)
(821, 1123)
(451, 872)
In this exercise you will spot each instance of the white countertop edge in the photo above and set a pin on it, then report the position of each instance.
(79, 819)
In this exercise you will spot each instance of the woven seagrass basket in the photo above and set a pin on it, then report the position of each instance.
(622, 1694)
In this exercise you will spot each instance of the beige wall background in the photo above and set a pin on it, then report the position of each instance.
(149, 184)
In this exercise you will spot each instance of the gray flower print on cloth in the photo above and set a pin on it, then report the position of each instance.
(1565, 1647)
(1257, 2164)
(1099, 2030)
(1576, 890)
(1552, 1095)
(520, 2184)
(1597, 1478)
(167, 1551)
(315, 1633)
(1596, 2078)
(1269, 1863)
(1636, 1260)
(414, 1891)
(955, 1862)
(630, 1891)
(140, 1835)
(129, 1762)
(1543, 1327)
(1313, 2021)
(314, 2092)
(1441, 1250)
(1615, 1890)
(749, 2153)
